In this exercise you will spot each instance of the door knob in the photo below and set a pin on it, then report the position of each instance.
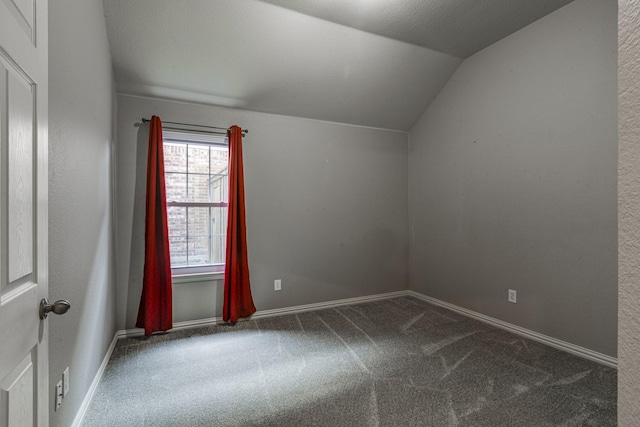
(58, 307)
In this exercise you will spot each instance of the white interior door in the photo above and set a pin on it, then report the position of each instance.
(24, 361)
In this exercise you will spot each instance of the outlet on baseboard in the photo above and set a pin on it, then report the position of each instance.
(512, 296)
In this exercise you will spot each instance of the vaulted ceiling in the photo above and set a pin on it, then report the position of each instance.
(374, 63)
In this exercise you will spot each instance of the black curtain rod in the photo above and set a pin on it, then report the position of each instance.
(244, 131)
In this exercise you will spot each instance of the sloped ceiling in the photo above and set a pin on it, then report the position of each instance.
(259, 56)
(456, 27)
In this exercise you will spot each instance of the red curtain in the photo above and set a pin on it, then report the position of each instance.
(237, 289)
(155, 312)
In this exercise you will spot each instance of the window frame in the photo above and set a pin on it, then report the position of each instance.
(197, 273)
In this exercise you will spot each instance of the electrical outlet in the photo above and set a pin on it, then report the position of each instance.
(277, 285)
(58, 394)
(65, 382)
(512, 296)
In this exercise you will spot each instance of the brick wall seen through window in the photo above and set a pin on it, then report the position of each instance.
(196, 179)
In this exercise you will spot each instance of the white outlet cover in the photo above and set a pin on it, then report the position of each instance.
(512, 296)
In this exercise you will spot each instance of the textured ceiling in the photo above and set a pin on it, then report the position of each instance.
(257, 56)
(456, 27)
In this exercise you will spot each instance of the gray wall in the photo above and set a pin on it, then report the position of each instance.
(81, 117)
(629, 214)
(326, 209)
(513, 180)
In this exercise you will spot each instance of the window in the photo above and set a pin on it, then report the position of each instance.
(196, 176)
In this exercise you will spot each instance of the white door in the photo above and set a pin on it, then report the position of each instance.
(24, 360)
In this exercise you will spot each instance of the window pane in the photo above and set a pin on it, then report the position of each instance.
(219, 160)
(175, 157)
(198, 188)
(178, 251)
(218, 234)
(198, 159)
(177, 219)
(198, 222)
(218, 188)
(176, 186)
(199, 251)
(218, 220)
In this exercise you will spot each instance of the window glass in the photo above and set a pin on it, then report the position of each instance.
(197, 191)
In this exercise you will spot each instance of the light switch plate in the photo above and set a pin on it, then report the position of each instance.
(65, 382)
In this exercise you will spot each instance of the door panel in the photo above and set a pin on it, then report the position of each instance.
(24, 394)
(20, 179)
(22, 11)
(16, 394)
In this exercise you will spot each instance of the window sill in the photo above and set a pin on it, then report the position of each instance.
(197, 277)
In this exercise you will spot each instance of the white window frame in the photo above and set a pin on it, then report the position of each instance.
(186, 274)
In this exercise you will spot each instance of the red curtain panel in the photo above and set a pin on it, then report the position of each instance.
(238, 302)
(155, 312)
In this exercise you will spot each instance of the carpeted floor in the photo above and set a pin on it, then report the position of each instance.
(396, 362)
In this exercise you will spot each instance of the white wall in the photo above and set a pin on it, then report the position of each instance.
(513, 180)
(81, 117)
(629, 213)
(326, 209)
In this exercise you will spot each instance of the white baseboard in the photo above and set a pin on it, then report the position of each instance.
(535, 336)
(270, 313)
(94, 385)
(545, 339)
(327, 304)
(138, 332)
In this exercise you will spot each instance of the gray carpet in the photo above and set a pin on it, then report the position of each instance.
(396, 362)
